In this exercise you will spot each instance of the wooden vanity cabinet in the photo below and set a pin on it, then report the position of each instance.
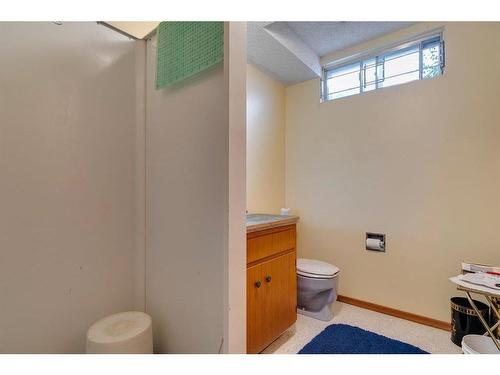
(271, 285)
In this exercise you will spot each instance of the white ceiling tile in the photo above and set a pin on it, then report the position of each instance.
(328, 37)
(268, 54)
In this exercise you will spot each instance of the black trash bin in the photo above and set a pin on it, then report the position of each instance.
(464, 320)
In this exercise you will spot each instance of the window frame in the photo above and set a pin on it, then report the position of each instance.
(421, 41)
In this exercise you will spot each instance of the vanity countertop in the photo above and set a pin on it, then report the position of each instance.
(256, 222)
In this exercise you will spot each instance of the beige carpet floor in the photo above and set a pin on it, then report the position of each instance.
(430, 339)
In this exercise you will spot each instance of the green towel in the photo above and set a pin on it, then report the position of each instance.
(187, 48)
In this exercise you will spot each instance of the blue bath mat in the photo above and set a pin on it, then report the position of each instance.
(346, 339)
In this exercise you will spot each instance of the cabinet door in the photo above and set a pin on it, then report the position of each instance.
(257, 335)
(280, 281)
(271, 305)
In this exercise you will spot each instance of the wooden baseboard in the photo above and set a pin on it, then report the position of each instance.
(397, 313)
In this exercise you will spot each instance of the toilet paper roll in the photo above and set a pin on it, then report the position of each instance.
(374, 244)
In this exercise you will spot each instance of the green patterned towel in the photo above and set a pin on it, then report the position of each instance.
(187, 48)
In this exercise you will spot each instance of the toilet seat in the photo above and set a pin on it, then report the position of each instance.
(316, 269)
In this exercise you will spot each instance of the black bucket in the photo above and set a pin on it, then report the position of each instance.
(464, 320)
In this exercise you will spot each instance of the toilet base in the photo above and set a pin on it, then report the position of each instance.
(325, 314)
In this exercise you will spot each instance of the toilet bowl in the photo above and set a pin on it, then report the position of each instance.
(317, 284)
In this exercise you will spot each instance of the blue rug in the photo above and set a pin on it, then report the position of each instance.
(346, 339)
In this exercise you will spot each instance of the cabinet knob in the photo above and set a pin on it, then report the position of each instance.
(268, 278)
(257, 284)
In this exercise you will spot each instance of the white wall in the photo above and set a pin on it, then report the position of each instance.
(188, 203)
(235, 66)
(419, 162)
(73, 189)
(69, 208)
(265, 143)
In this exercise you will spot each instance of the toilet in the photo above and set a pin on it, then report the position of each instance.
(317, 284)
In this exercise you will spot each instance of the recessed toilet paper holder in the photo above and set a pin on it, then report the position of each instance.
(375, 242)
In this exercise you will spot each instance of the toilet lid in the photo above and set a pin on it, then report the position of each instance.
(315, 268)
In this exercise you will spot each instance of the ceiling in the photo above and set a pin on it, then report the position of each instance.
(327, 37)
(285, 49)
(138, 29)
(291, 51)
(274, 58)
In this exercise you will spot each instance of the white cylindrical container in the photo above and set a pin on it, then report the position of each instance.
(478, 344)
(285, 211)
(123, 333)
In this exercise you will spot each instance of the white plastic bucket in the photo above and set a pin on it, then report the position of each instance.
(123, 333)
(478, 344)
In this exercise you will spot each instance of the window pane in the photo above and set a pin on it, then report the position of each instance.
(402, 66)
(422, 59)
(431, 64)
(380, 71)
(341, 94)
(343, 81)
(370, 78)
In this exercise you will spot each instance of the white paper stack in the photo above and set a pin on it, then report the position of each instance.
(474, 267)
(482, 278)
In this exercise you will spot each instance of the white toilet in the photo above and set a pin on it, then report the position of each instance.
(317, 284)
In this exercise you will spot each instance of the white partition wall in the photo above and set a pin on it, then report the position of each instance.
(115, 196)
(235, 64)
(70, 200)
(187, 209)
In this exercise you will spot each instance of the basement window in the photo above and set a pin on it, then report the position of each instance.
(417, 59)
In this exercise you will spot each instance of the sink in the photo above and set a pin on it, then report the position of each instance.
(264, 218)
(258, 222)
